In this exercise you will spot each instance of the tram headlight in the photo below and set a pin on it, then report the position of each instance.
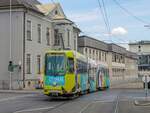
(54, 84)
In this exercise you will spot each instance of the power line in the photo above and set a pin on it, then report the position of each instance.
(130, 13)
(103, 15)
(105, 12)
(106, 20)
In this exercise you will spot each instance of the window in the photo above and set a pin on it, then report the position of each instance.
(56, 12)
(70, 65)
(48, 36)
(39, 33)
(93, 54)
(55, 64)
(68, 35)
(100, 55)
(85, 50)
(81, 66)
(38, 64)
(113, 57)
(29, 38)
(28, 64)
(75, 44)
(139, 47)
(105, 56)
(96, 54)
(90, 51)
(57, 38)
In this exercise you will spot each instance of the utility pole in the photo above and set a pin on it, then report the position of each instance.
(10, 75)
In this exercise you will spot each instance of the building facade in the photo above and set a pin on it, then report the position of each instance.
(33, 31)
(65, 31)
(142, 48)
(94, 49)
(122, 64)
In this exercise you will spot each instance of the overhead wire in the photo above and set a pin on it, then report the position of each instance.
(107, 20)
(103, 15)
(130, 13)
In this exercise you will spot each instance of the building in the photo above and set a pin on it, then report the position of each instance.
(65, 31)
(35, 28)
(131, 65)
(122, 64)
(142, 48)
(94, 49)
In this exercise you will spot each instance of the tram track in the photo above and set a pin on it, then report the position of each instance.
(116, 109)
(58, 106)
(115, 103)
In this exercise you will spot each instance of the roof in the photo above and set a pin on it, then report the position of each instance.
(131, 54)
(142, 42)
(116, 48)
(46, 8)
(86, 41)
(31, 4)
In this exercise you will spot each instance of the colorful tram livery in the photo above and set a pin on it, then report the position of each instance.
(69, 73)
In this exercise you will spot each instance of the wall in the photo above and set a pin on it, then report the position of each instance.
(34, 48)
(17, 46)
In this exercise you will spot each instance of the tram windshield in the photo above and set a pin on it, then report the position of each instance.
(55, 64)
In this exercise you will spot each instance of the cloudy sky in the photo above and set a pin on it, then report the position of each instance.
(124, 27)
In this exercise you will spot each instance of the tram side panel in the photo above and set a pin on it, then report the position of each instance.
(92, 79)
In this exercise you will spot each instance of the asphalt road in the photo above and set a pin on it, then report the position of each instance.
(110, 101)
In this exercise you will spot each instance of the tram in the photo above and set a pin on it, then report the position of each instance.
(68, 73)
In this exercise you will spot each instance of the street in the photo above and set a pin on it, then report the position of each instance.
(109, 101)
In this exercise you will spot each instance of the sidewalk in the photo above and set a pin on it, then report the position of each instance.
(24, 91)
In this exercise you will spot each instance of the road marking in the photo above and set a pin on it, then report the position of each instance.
(82, 110)
(116, 107)
(13, 98)
(36, 109)
(102, 101)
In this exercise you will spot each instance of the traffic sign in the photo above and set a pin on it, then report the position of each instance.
(144, 78)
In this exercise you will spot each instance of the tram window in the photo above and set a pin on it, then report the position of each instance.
(82, 66)
(71, 65)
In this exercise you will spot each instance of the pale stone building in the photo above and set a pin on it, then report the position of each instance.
(122, 64)
(34, 30)
(65, 31)
(142, 48)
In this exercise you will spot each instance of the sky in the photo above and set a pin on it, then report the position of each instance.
(124, 27)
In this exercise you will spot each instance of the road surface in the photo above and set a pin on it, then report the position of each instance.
(109, 101)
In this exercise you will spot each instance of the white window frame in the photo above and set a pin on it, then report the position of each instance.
(38, 34)
(50, 32)
(27, 30)
(30, 63)
(39, 71)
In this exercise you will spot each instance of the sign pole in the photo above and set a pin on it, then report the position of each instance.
(146, 87)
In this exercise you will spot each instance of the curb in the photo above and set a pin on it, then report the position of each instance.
(137, 103)
(22, 91)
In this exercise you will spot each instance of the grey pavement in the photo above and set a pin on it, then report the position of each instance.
(109, 101)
